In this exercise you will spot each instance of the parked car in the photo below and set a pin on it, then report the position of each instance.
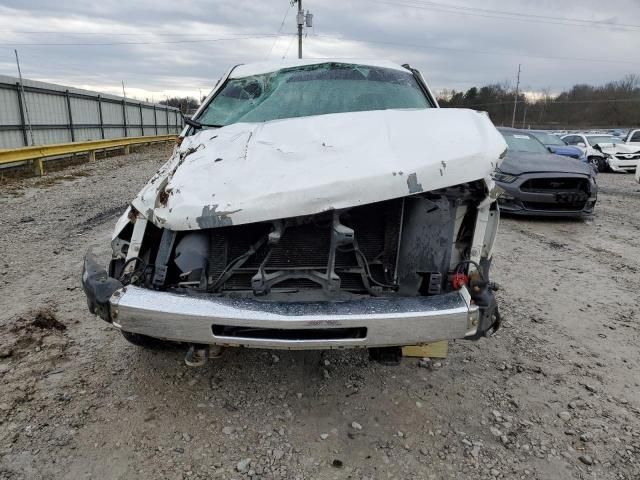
(633, 139)
(606, 152)
(539, 183)
(558, 146)
(290, 218)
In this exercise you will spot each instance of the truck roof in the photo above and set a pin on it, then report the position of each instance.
(257, 68)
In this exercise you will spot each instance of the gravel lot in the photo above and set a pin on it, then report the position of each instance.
(554, 395)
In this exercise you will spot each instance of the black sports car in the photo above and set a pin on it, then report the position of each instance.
(539, 183)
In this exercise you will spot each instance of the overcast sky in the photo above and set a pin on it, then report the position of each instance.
(454, 46)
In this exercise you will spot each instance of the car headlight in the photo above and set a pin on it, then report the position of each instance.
(504, 177)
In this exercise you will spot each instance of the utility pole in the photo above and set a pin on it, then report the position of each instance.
(303, 20)
(24, 99)
(515, 102)
(300, 19)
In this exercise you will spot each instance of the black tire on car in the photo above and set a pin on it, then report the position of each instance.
(144, 341)
(599, 163)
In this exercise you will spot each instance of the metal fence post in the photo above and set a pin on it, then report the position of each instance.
(141, 120)
(167, 110)
(124, 116)
(22, 121)
(155, 119)
(100, 115)
(73, 135)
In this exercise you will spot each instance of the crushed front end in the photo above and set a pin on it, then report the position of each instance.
(404, 271)
(289, 218)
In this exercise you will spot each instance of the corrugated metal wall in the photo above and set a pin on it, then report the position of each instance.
(60, 114)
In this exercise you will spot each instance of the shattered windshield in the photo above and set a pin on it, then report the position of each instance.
(313, 90)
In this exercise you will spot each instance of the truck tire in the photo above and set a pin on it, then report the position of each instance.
(144, 341)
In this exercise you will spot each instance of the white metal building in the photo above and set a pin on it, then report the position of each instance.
(61, 114)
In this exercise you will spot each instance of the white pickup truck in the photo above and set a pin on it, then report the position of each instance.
(311, 205)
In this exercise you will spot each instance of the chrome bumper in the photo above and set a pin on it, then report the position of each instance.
(372, 322)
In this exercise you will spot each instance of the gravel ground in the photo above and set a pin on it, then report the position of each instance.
(554, 395)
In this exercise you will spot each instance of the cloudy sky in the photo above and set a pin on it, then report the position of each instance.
(162, 47)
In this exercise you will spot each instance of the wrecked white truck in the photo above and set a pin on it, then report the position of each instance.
(311, 205)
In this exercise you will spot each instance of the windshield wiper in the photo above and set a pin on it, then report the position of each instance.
(197, 125)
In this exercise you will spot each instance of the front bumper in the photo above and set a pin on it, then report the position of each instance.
(517, 201)
(371, 322)
(619, 165)
(217, 320)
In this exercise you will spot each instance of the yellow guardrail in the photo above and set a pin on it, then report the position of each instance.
(40, 152)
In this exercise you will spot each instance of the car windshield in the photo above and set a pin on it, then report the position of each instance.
(548, 138)
(313, 90)
(594, 140)
(522, 142)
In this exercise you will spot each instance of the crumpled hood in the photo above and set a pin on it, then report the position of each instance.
(252, 172)
(517, 163)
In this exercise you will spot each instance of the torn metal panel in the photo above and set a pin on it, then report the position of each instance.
(426, 239)
(211, 218)
(304, 166)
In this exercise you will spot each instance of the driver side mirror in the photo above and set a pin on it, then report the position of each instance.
(581, 144)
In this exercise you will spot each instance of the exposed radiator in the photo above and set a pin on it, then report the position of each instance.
(306, 246)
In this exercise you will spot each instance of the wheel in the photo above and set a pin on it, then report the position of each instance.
(598, 163)
(146, 342)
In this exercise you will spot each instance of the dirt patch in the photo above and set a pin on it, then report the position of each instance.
(49, 180)
(102, 217)
(22, 334)
(45, 319)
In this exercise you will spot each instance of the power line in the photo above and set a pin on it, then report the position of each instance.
(480, 52)
(279, 30)
(161, 42)
(138, 34)
(505, 15)
(289, 47)
(554, 102)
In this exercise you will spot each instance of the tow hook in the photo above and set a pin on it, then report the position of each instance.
(197, 354)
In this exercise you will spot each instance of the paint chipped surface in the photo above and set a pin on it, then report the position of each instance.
(412, 183)
(303, 166)
(212, 218)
